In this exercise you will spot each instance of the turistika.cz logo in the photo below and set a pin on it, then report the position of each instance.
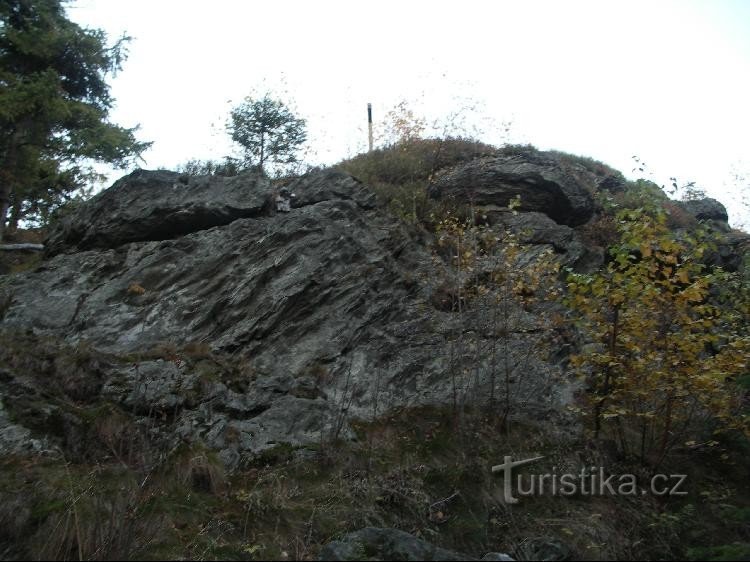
(590, 481)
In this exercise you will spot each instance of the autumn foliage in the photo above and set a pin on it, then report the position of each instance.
(665, 350)
(494, 280)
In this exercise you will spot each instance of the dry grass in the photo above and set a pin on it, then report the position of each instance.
(418, 471)
(198, 469)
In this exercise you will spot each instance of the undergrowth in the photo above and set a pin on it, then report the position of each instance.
(416, 471)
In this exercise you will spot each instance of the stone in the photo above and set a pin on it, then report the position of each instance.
(158, 205)
(497, 557)
(729, 251)
(373, 543)
(147, 386)
(536, 228)
(541, 183)
(542, 548)
(706, 209)
(15, 438)
(612, 183)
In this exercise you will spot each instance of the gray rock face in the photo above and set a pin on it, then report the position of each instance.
(541, 184)
(611, 183)
(158, 205)
(325, 308)
(372, 543)
(730, 250)
(537, 228)
(706, 209)
(232, 286)
(15, 438)
(730, 245)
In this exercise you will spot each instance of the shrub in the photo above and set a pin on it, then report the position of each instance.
(194, 167)
(414, 160)
(519, 150)
(641, 193)
(651, 317)
(594, 166)
(678, 216)
(601, 231)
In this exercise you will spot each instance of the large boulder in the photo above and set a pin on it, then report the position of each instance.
(706, 209)
(162, 205)
(158, 205)
(541, 183)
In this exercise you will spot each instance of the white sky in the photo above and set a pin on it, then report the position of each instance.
(668, 81)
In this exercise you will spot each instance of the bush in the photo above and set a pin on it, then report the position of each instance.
(678, 216)
(527, 150)
(650, 314)
(642, 194)
(601, 231)
(228, 168)
(414, 160)
(596, 167)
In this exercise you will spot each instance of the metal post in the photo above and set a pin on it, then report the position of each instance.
(369, 124)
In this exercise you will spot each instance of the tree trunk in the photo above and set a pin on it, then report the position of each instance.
(15, 215)
(5, 192)
(22, 247)
(262, 151)
(607, 373)
(7, 173)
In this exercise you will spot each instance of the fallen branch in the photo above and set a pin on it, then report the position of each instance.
(27, 247)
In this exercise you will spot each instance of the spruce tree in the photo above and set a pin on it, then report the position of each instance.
(54, 106)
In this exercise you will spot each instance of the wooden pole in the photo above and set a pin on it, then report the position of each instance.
(369, 125)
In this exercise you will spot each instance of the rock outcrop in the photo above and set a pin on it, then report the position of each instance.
(538, 229)
(730, 245)
(541, 183)
(158, 205)
(187, 359)
(706, 209)
(305, 318)
(163, 205)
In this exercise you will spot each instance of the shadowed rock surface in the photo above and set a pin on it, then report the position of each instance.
(537, 228)
(706, 209)
(730, 245)
(540, 182)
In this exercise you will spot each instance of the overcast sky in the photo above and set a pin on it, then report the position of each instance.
(667, 81)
